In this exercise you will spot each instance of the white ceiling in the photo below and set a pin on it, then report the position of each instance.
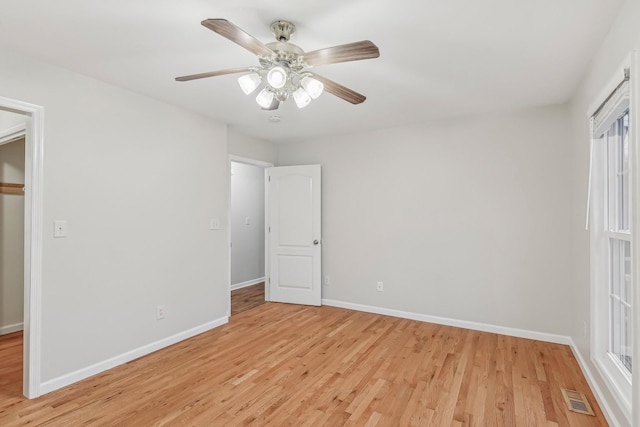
(438, 58)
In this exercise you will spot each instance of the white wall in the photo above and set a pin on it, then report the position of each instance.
(252, 148)
(137, 180)
(623, 37)
(465, 219)
(247, 203)
(11, 237)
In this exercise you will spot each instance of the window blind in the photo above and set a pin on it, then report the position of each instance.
(612, 108)
(605, 115)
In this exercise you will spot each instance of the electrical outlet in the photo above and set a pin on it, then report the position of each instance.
(327, 280)
(160, 312)
(380, 286)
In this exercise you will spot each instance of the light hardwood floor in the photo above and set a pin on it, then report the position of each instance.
(244, 299)
(288, 365)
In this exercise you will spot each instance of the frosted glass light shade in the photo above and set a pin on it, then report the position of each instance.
(277, 77)
(265, 98)
(313, 87)
(249, 82)
(301, 97)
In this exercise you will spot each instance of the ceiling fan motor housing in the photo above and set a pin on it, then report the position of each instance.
(284, 52)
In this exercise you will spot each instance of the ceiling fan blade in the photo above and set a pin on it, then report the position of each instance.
(343, 53)
(237, 35)
(274, 105)
(339, 90)
(213, 73)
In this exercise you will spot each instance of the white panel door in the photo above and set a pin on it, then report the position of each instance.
(293, 230)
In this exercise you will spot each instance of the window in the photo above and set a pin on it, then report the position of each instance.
(618, 231)
(611, 243)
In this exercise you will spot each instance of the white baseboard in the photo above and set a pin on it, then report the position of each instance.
(247, 283)
(70, 378)
(597, 391)
(514, 332)
(9, 329)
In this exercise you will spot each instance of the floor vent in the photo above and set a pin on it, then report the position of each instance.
(577, 402)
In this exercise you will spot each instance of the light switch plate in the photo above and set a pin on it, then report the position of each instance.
(215, 224)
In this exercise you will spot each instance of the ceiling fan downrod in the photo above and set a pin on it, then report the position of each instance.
(282, 30)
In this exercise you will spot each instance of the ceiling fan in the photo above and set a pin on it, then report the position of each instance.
(284, 66)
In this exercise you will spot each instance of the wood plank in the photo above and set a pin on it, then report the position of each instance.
(282, 364)
(246, 298)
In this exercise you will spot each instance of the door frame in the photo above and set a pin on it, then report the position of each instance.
(33, 207)
(265, 166)
(13, 133)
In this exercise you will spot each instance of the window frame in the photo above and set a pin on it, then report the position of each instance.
(621, 386)
(602, 237)
(618, 232)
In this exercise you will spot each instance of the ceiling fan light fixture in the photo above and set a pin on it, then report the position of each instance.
(301, 97)
(277, 77)
(249, 82)
(312, 86)
(265, 98)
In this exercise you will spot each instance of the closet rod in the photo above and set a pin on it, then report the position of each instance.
(6, 188)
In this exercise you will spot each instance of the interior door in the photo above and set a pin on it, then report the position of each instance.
(294, 234)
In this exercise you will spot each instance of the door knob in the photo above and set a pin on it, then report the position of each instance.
(315, 242)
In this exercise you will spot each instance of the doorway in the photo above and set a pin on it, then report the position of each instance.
(33, 116)
(246, 233)
(12, 159)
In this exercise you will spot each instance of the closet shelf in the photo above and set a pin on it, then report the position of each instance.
(7, 188)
